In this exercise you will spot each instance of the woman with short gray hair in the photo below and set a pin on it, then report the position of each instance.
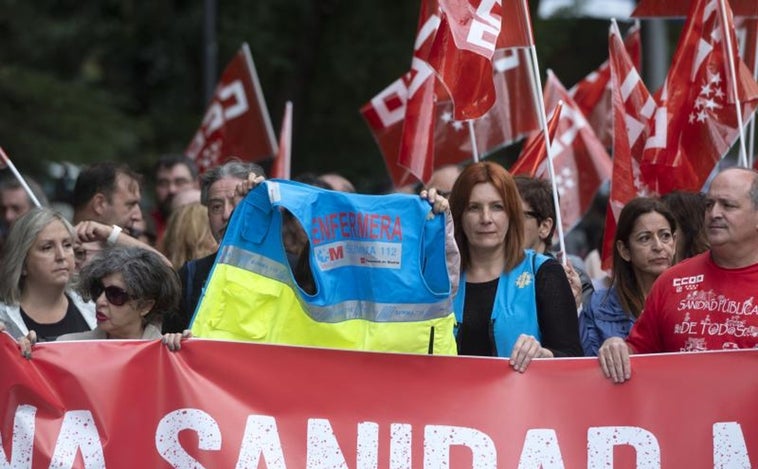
(133, 289)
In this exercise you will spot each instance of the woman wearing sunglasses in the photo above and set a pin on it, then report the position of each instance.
(35, 277)
(133, 289)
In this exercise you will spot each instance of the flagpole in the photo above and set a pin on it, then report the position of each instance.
(18, 176)
(548, 148)
(729, 50)
(472, 136)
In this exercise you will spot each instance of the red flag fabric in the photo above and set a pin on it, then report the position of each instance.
(511, 118)
(533, 154)
(236, 123)
(747, 31)
(633, 109)
(466, 40)
(416, 152)
(700, 115)
(580, 161)
(517, 25)
(282, 163)
(593, 95)
(670, 8)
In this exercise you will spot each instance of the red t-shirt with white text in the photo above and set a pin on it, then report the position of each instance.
(696, 305)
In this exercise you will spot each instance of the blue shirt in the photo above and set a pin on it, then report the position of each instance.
(603, 318)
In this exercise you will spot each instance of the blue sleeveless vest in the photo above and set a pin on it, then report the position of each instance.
(515, 309)
(378, 264)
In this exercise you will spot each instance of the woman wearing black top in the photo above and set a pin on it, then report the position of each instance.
(35, 277)
(511, 302)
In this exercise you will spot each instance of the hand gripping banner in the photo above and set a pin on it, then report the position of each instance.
(218, 404)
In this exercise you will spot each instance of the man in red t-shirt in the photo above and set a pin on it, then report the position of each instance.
(707, 302)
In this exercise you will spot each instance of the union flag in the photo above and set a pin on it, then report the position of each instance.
(511, 118)
(593, 95)
(633, 109)
(237, 122)
(580, 161)
(697, 122)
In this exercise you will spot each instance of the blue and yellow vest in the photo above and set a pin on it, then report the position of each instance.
(515, 309)
(378, 264)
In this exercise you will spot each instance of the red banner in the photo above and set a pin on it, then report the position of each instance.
(237, 123)
(227, 404)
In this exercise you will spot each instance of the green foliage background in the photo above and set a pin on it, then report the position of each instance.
(122, 79)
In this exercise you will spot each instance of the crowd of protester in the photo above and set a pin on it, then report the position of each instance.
(110, 271)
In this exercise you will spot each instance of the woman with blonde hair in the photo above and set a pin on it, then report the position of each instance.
(35, 279)
(188, 235)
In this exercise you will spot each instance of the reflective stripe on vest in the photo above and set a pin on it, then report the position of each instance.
(377, 261)
(514, 311)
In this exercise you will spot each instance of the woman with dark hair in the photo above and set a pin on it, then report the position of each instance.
(36, 273)
(133, 289)
(689, 210)
(511, 302)
(644, 247)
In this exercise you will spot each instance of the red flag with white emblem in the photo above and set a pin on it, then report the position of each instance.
(672, 8)
(511, 118)
(593, 95)
(280, 169)
(698, 113)
(237, 122)
(633, 109)
(579, 158)
(441, 51)
(466, 40)
(416, 152)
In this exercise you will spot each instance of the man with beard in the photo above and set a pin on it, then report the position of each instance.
(173, 174)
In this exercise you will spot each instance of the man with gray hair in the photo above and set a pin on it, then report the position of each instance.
(221, 189)
(15, 201)
(706, 302)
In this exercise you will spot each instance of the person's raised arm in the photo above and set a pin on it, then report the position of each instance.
(90, 230)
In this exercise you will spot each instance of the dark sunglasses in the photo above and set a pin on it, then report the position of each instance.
(115, 295)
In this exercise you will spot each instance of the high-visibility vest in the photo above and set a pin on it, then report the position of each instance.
(378, 263)
(514, 311)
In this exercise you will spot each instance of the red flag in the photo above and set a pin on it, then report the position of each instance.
(237, 123)
(511, 118)
(699, 114)
(281, 167)
(580, 161)
(416, 152)
(747, 31)
(533, 154)
(517, 25)
(651, 8)
(466, 40)
(453, 35)
(593, 96)
(633, 108)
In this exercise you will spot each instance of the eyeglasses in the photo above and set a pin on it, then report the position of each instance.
(81, 254)
(115, 295)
